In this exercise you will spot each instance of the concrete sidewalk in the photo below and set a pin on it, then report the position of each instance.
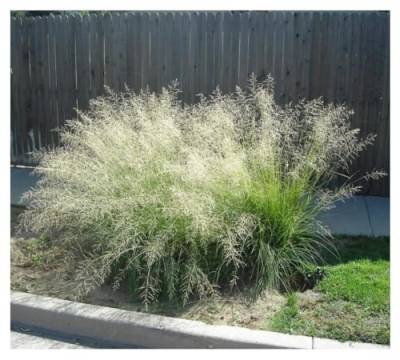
(22, 180)
(361, 215)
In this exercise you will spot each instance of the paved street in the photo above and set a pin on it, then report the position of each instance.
(21, 340)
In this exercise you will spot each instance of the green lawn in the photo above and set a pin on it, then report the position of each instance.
(354, 296)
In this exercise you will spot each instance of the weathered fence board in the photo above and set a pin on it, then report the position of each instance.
(59, 63)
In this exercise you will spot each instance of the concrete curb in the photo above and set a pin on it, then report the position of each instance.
(133, 329)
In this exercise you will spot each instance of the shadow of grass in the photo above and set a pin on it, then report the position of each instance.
(15, 212)
(351, 248)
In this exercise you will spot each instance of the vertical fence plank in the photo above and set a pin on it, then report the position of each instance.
(71, 69)
(297, 55)
(335, 57)
(99, 56)
(52, 70)
(226, 66)
(268, 42)
(121, 39)
(364, 45)
(371, 93)
(386, 99)
(323, 74)
(145, 38)
(355, 57)
(316, 55)
(43, 81)
(45, 86)
(252, 43)
(164, 54)
(21, 76)
(290, 57)
(384, 140)
(108, 50)
(131, 49)
(358, 105)
(154, 72)
(260, 34)
(343, 56)
(194, 59)
(219, 43)
(15, 96)
(186, 64)
(176, 48)
(170, 46)
(135, 61)
(60, 26)
(243, 49)
(82, 61)
(116, 51)
(234, 74)
(307, 43)
(92, 28)
(278, 54)
(28, 91)
(348, 54)
(202, 53)
(211, 34)
(34, 127)
(363, 106)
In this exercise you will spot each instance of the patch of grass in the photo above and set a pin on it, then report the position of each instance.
(363, 282)
(360, 273)
(354, 296)
(340, 320)
(287, 317)
(352, 248)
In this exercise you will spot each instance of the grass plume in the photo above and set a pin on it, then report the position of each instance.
(182, 201)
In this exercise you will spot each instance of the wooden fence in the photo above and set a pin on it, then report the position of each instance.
(60, 62)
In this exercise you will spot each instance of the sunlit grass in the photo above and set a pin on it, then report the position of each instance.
(185, 201)
(354, 302)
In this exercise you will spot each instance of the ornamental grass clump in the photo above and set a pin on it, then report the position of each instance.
(182, 201)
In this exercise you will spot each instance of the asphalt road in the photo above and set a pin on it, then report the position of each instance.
(27, 337)
(21, 340)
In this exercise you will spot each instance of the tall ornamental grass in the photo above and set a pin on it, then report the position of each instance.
(184, 201)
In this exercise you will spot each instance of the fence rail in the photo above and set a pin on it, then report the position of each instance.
(60, 62)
